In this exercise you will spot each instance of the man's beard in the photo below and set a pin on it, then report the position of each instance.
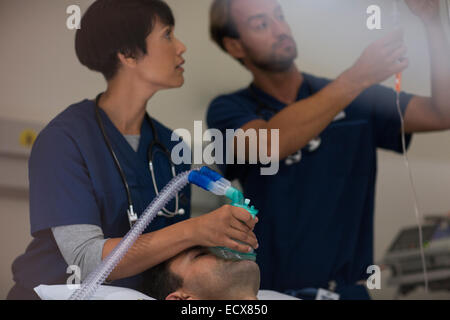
(274, 62)
(228, 280)
(240, 275)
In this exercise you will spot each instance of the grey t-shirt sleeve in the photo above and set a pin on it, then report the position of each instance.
(80, 245)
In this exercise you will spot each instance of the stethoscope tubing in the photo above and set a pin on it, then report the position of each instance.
(131, 215)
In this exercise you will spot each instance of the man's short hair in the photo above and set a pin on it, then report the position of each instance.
(160, 281)
(221, 22)
(110, 27)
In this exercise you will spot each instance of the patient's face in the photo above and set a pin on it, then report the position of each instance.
(207, 277)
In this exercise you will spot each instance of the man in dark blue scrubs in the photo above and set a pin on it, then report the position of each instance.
(316, 213)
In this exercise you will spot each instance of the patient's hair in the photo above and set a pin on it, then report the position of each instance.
(221, 22)
(110, 27)
(160, 281)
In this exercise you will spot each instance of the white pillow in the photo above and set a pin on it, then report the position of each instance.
(274, 295)
(62, 292)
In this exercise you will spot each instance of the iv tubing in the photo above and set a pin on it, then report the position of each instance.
(398, 87)
(101, 273)
(413, 188)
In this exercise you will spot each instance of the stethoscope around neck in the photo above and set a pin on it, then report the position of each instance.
(132, 216)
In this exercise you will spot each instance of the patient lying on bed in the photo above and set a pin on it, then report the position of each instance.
(197, 274)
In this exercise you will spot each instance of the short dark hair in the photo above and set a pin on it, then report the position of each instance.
(160, 281)
(221, 24)
(110, 27)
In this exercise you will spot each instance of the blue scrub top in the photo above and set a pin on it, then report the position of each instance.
(316, 216)
(74, 180)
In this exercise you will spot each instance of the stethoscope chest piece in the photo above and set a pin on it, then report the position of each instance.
(297, 157)
(314, 144)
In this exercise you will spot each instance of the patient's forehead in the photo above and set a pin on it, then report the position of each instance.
(184, 261)
(187, 255)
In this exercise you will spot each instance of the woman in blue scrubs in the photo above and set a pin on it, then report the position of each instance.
(78, 200)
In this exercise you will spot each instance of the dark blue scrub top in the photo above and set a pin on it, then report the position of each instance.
(316, 216)
(73, 180)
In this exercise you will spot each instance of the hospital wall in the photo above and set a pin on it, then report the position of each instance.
(40, 76)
